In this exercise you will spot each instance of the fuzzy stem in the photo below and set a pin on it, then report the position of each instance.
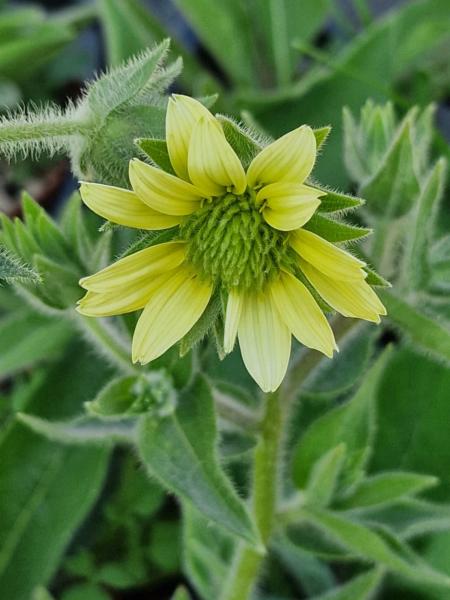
(57, 127)
(266, 470)
(108, 342)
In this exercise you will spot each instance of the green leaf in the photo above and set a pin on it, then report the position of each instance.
(181, 593)
(128, 28)
(413, 430)
(41, 593)
(370, 546)
(362, 587)
(393, 188)
(246, 143)
(375, 279)
(351, 423)
(82, 430)
(334, 377)
(335, 231)
(323, 478)
(228, 39)
(157, 151)
(312, 574)
(13, 269)
(85, 591)
(180, 451)
(46, 490)
(415, 268)
(28, 339)
(429, 334)
(386, 488)
(337, 201)
(124, 82)
(207, 553)
(60, 287)
(22, 55)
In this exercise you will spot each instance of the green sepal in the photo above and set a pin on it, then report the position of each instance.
(375, 279)
(60, 287)
(203, 326)
(156, 150)
(246, 145)
(150, 238)
(335, 231)
(321, 134)
(336, 201)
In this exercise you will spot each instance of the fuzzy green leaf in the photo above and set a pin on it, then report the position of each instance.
(181, 593)
(334, 377)
(13, 269)
(46, 490)
(157, 151)
(335, 231)
(124, 82)
(351, 423)
(337, 201)
(386, 488)
(180, 451)
(81, 431)
(312, 574)
(394, 187)
(207, 553)
(430, 334)
(415, 268)
(370, 546)
(28, 339)
(362, 587)
(324, 475)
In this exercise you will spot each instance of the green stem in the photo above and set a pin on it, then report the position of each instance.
(266, 471)
(16, 131)
(108, 342)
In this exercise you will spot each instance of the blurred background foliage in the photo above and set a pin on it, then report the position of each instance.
(84, 522)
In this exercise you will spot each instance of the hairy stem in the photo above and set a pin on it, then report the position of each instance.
(266, 470)
(108, 342)
(17, 131)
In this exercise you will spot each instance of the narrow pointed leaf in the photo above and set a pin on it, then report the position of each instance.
(335, 231)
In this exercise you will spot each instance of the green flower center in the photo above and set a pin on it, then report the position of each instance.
(231, 244)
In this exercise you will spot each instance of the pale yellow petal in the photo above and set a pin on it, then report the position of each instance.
(123, 207)
(290, 158)
(301, 314)
(326, 257)
(213, 165)
(288, 206)
(106, 304)
(173, 309)
(162, 191)
(350, 298)
(265, 341)
(232, 316)
(182, 114)
(138, 267)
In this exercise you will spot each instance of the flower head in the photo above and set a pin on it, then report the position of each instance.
(238, 233)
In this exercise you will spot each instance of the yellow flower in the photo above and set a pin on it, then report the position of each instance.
(238, 234)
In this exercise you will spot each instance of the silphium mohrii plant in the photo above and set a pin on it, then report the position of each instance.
(241, 237)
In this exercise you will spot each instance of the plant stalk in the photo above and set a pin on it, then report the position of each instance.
(266, 472)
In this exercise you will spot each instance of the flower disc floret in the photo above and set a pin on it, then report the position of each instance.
(231, 244)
